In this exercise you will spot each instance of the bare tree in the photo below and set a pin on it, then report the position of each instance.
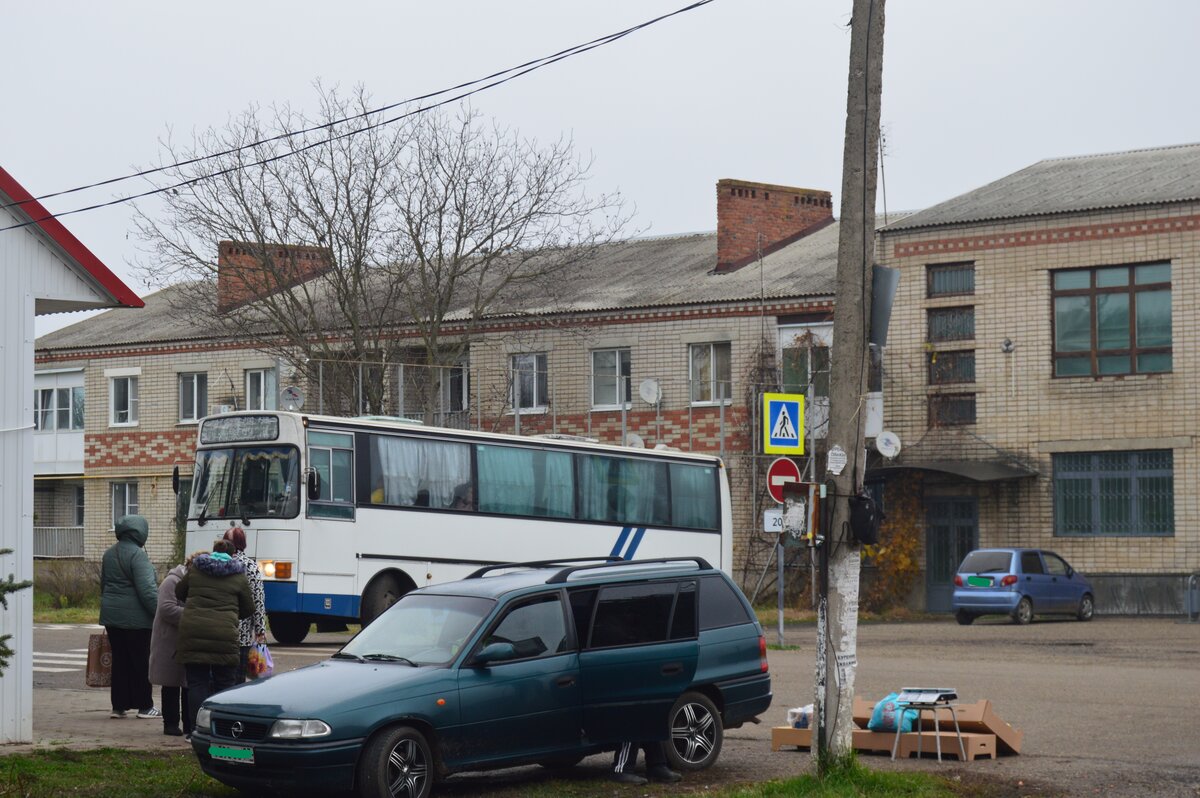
(359, 243)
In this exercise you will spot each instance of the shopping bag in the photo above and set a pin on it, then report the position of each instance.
(888, 711)
(259, 662)
(99, 661)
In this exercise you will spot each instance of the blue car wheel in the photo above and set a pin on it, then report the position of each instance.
(1023, 614)
(1087, 608)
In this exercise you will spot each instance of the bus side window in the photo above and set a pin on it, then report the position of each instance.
(332, 455)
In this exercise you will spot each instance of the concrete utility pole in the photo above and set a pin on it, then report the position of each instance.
(837, 611)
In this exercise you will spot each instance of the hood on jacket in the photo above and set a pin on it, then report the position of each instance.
(206, 563)
(178, 571)
(132, 527)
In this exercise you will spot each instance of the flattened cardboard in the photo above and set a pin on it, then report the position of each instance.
(980, 718)
(975, 745)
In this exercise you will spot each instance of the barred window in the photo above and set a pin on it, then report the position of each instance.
(1114, 493)
(950, 279)
(951, 367)
(953, 409)
(951, 324)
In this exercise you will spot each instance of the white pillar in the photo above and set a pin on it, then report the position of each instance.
(16, 501)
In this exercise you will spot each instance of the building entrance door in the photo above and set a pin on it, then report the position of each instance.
(952, 531)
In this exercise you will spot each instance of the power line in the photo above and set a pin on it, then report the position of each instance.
(496, 79)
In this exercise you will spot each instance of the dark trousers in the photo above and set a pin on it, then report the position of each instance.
(175, 708)
(207, 680)
(243, 653)
(626, 756)
(130, 669)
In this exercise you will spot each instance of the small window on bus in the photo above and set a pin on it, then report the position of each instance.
(517, 480)
(623, 490)
(695, 496)
(332, 455)
(414, 472)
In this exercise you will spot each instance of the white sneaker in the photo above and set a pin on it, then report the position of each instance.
(115, 714)
(152, 712)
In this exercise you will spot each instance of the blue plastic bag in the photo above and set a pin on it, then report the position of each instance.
(883, 719)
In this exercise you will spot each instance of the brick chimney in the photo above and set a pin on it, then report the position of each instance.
(780, 214)
(246, 272)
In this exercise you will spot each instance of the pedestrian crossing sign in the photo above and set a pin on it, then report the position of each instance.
(783, 423)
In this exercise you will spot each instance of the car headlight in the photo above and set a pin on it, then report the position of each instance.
(204, 719)
(299, 729)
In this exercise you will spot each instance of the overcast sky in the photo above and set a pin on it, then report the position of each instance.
(748, 89)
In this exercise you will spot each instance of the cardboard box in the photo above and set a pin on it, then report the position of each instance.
(978, 718)
(786, 735)
(975, 745)
(863, 710)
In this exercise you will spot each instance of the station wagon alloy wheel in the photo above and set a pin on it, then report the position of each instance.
(696, 733)
(396, 764)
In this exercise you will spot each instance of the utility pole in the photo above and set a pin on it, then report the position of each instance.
(837, 608)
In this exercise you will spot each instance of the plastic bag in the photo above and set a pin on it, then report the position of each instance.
(800, 717)
(259, 662)
(883, 719)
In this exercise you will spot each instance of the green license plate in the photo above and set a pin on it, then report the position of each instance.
(979, 581)
(232, 753)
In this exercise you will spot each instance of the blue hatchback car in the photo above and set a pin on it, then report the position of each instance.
(1019, 583)
(533, 663)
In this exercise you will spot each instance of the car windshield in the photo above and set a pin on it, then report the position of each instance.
(420, 629)
(246, 482)
(985, 562)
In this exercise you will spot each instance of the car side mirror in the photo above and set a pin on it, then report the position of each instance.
(175, 480)
(495, 652)
(314, 484)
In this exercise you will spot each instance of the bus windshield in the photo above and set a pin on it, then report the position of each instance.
(246, 482)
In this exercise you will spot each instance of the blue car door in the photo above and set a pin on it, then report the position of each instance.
(1035, 583)
(639, 655)
(1067, 590)
(526, 704)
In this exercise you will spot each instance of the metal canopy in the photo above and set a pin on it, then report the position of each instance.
(975, 470)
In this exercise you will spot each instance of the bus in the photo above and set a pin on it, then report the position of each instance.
(345, 515)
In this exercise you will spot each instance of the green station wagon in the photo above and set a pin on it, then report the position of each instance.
(542, 663)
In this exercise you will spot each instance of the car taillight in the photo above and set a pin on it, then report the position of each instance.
(957, 580)
(1009, 580)
(762, 653)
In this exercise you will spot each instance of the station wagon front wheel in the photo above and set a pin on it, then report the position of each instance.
(397, 763)
(696, 733)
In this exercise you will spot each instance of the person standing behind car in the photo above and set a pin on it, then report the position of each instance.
(217, 596)
(250, 630)
(164, 670)
(128, 600)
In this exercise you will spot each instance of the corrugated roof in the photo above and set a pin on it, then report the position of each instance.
(643, 273)
(1067, 185)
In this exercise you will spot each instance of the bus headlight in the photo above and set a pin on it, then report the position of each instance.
(275, 569)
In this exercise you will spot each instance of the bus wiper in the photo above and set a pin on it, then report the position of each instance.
(347, 655)
(202, 519)
(389, 658)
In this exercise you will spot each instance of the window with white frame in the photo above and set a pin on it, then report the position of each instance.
(261, 389)
(58, 408)
(529, 382)
(123, 395)
(449, 395)
(610, 377)
(124, 500)
(193, 396)
(709, 372)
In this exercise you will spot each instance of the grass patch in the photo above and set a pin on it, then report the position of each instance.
(106, 773)
(846, 778)
(46, 609)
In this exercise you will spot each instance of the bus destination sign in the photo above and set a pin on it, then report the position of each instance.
(236, 429)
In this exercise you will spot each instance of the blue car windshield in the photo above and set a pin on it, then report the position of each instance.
(421, 629)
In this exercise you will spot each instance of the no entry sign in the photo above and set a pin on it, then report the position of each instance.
(780, 473)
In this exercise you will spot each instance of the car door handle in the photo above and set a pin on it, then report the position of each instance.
(672, 668)
(565, 681)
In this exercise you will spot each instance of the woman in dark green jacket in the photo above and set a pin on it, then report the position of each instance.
(217, 596)
(128, 598)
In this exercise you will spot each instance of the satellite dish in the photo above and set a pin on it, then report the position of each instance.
(887, 443)
(634, 441)
(292, 398)
(650, 391)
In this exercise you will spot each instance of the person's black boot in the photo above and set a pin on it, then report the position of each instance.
(627, 778)
(172, 731)
(663, 773)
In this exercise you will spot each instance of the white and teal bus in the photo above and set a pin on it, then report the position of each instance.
(345, 515)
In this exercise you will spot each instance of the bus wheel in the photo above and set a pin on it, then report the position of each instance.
(287, 627)
(384, 591)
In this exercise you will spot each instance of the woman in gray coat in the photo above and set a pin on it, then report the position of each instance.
(164, 670)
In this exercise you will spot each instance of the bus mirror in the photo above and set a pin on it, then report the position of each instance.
(175, 480)
(314, 484)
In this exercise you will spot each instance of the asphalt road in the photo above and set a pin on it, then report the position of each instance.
(1107, 707)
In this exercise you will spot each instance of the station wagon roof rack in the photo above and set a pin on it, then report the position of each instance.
(562, 575)
(603, 561)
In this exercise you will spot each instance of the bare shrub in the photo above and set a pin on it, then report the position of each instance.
(68, 583)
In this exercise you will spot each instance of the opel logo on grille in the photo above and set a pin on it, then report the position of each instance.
(237, 728)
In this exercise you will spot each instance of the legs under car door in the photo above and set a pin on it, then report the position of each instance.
(639, 654)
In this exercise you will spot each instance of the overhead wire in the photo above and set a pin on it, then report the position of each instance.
(496, 78)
